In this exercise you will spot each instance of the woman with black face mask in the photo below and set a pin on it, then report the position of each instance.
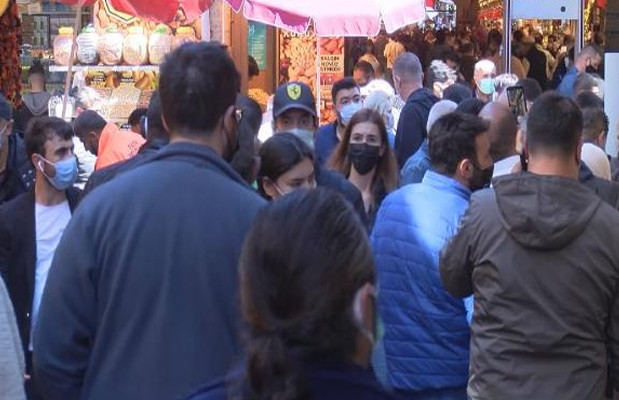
(365, 158)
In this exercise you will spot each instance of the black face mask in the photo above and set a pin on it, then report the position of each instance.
(363, 157)
(481, 178)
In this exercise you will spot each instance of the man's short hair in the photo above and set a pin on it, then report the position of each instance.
(589, 99)
(503, 130)
(198, 83)
(466, 47)
(342, 84)
(451, 55)
(452, 139)
(458, 93)
(585, 83)
(408, 67)
(88, 121)
(37, 69)
(440, 72)
(471, 106)
(494, 36)
(155, 127)
(366, 68)
(591, 50)
(136, 115)
(554, 125)
(595, 123)
(42, 129)
(532, 89)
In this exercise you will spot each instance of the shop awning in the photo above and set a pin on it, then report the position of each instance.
(333, 17)
(157, 10)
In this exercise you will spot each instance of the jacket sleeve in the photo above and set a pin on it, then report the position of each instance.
(5, 247)
(456, 264)
(613, 336)
(65, 328)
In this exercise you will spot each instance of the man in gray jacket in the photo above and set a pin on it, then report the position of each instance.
(539, 253)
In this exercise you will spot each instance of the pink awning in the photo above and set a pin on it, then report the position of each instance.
(156, 10)
(333, 17)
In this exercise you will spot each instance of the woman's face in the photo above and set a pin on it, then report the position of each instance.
(301, 176)
(366, 132)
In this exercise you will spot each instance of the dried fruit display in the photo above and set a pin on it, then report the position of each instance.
(297, 58)
(10, 42)
(63, 45)
(122, 102)
(259, 96)
(135, 48)
(159, 44)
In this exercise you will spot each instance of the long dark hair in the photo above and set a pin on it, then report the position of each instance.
(278, 155)
(387, 168)
(302, 263)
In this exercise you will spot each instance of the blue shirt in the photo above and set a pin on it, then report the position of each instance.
(566, 87)
(325, 143)
(416, 166)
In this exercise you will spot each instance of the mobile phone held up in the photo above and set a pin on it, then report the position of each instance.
(517, 102)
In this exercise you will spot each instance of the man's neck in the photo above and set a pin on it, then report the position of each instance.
(47, 195)
(339, 130)
(408, 90)
(200, 141)
(553, 167)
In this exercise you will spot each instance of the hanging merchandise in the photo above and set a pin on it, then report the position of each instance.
(10, 41)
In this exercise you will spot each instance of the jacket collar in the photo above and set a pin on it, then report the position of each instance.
(201, 155)
(446, 183)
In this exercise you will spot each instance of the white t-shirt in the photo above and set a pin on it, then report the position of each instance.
(50, 222)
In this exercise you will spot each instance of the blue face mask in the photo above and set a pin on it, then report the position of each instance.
(486, 86)
(66, 173)
(304, 135)
(348, 111)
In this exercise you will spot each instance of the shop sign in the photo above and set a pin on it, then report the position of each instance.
(257, 43)
(331, 52)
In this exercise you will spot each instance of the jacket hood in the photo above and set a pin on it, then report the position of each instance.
(423, 95)
(37, 103)
(544, 212)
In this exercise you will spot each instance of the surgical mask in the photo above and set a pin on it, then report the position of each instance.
(481, 178)
(347, 111)
(486, 86)
(363, 157)
(66, 173)
(304, 135)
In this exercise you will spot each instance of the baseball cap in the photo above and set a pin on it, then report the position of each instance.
(293, 96)
(6, 112)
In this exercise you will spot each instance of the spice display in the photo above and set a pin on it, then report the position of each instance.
(111, 47)
(184, 34)
(122, 102)
(259, 96)
(10, 41)
(135, 47)
(298, 58)
(159, 44)
(87, 46)
(62, 46)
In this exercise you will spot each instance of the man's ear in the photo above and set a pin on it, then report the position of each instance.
(465, 169)
(229, 119)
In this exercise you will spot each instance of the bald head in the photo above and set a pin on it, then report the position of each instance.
(407, 67)
(503, 130)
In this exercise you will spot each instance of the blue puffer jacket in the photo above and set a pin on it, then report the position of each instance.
(426, 330)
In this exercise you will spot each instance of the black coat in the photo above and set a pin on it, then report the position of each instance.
(18, 255)
(141, 300)
(412, 124)
(98, 178)
(337, 182)
(19, 174)
(608, 191)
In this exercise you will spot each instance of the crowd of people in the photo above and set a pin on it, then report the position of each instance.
(434, 242)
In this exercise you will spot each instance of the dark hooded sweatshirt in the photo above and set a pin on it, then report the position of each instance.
(35, 105)
(539, 253)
